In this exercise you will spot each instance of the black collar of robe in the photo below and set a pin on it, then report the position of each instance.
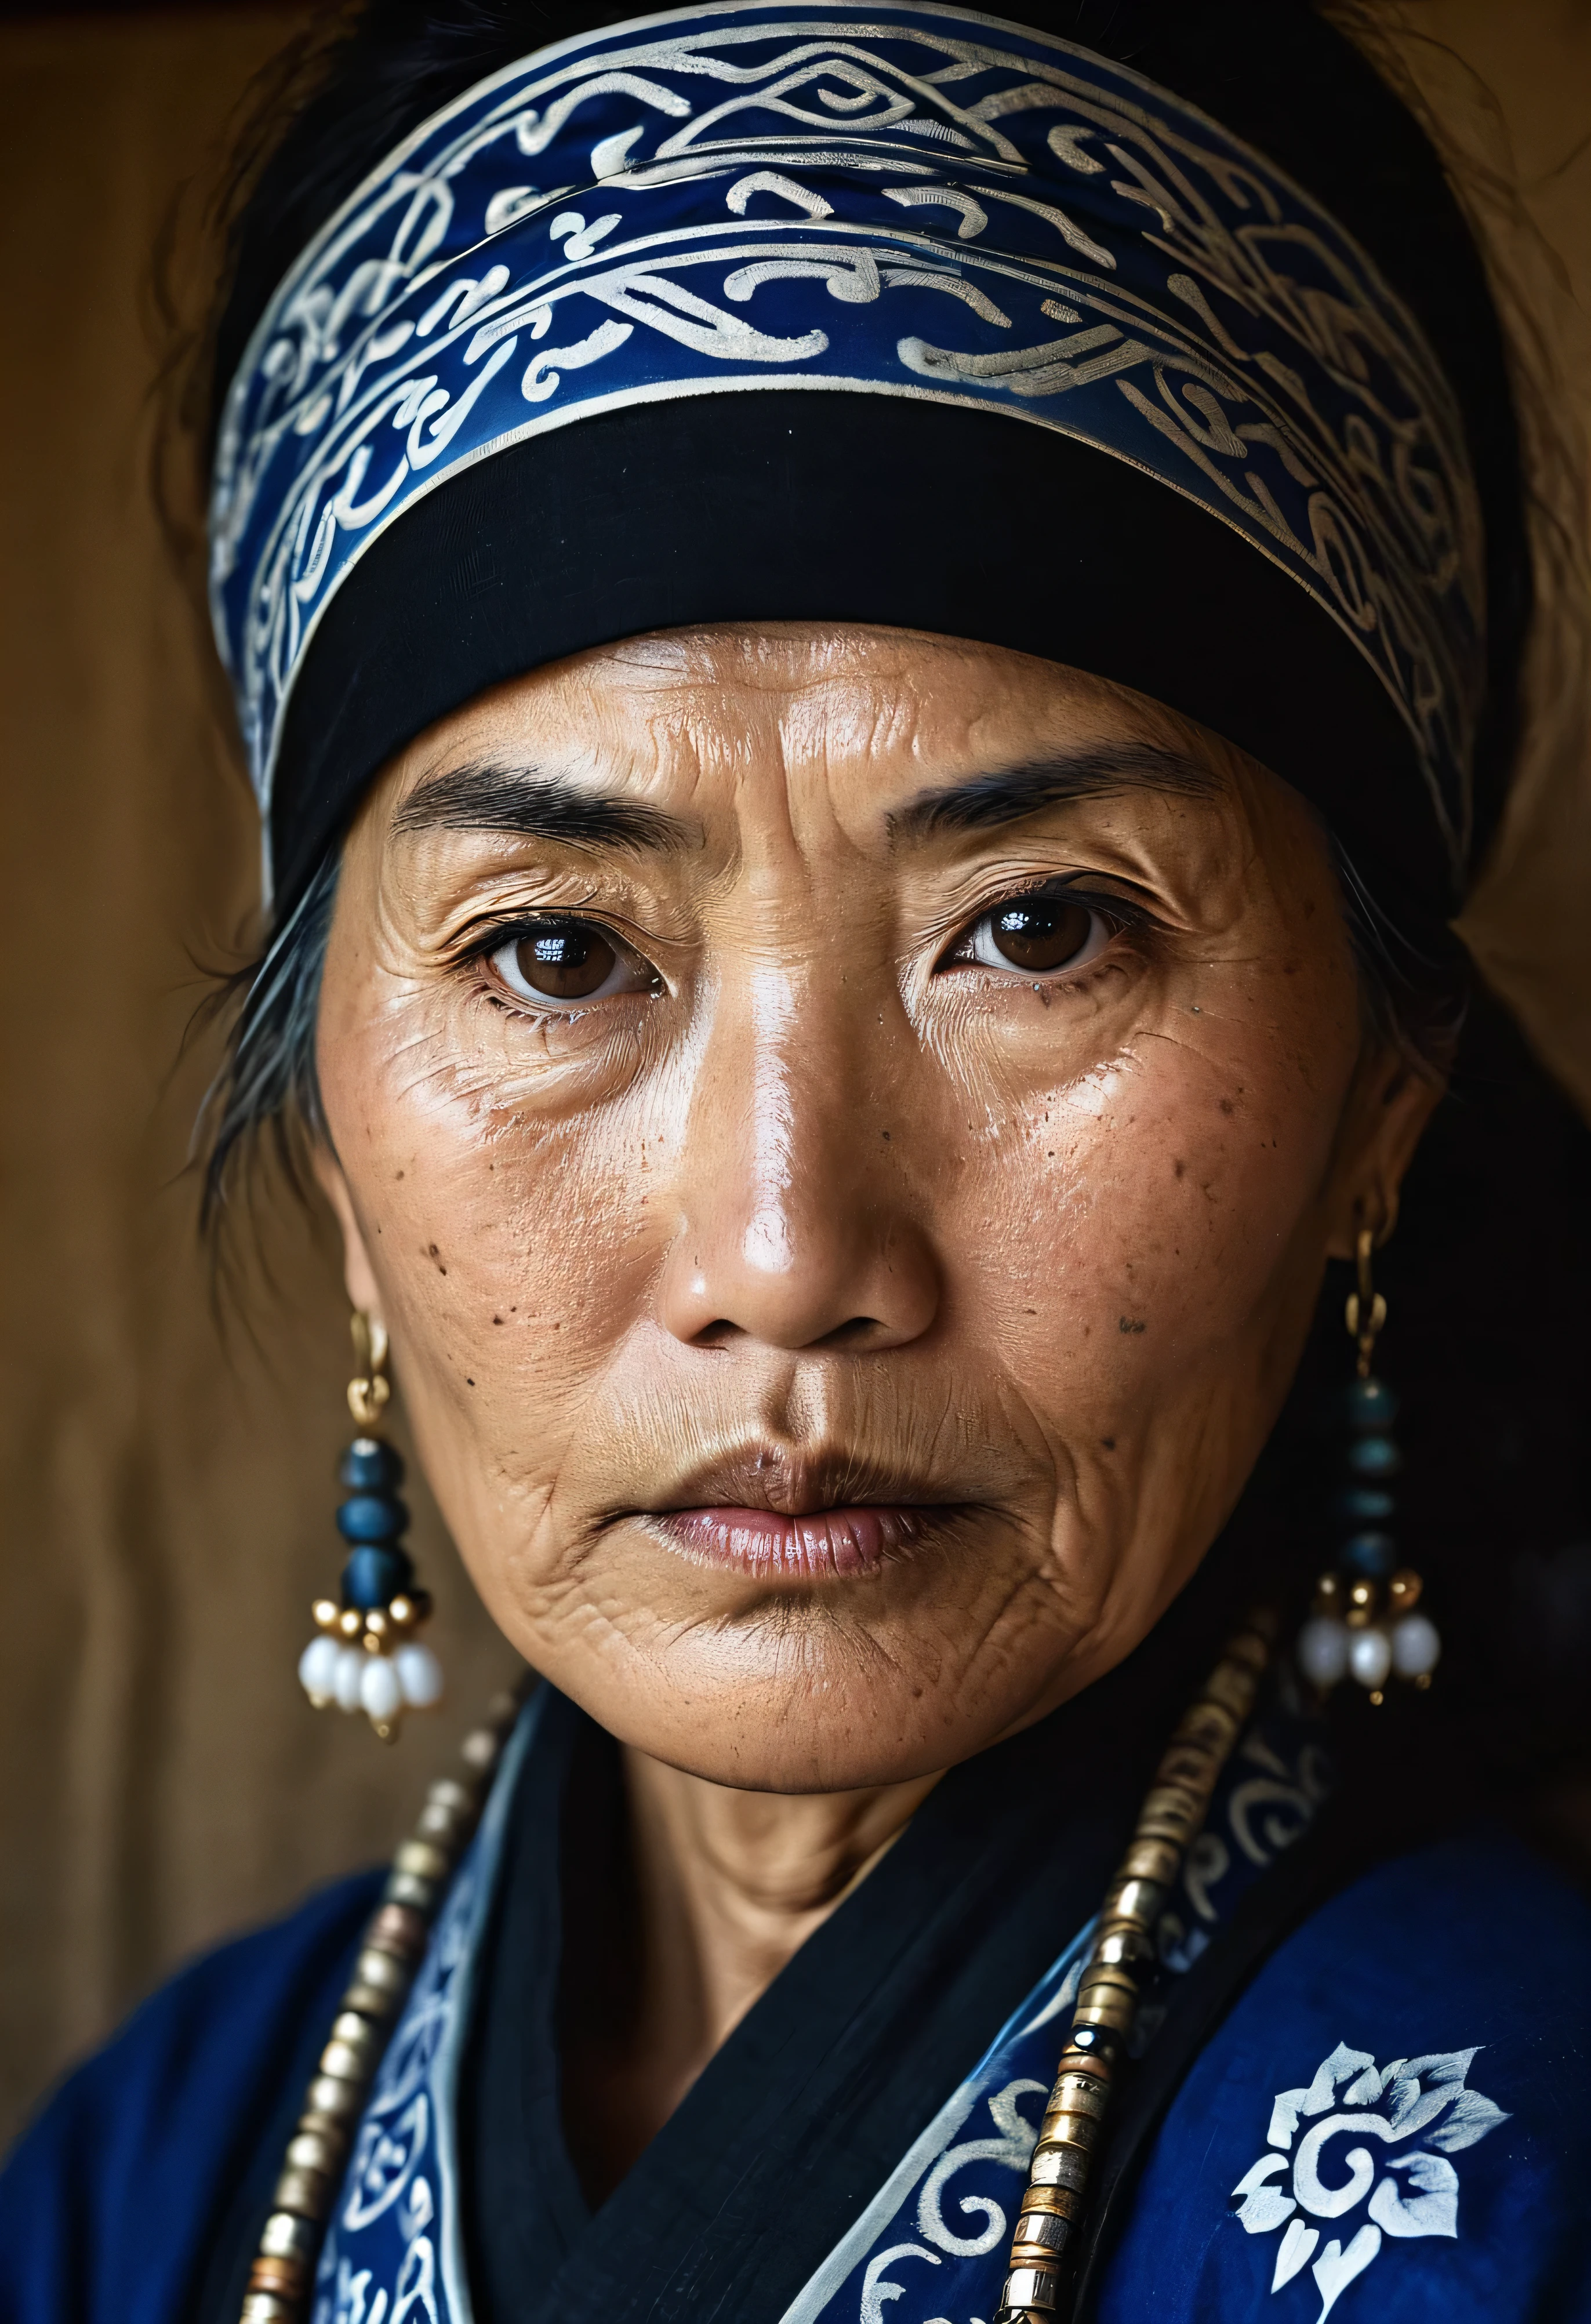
(825, 2083)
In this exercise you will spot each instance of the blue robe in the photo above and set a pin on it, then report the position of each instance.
(1390, 2122)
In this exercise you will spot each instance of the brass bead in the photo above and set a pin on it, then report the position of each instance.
(1031, 2287)
(397, 1929)
(381, 1972)
(1066, 2158)
(329, 2094)
(1151, 1860)
(1194, 1763)
(1111, 2008)
(372, 2003)
(1122, 1943)
(309, 2192)
(1249, 1648)
(1079, 2092)
(444, 1825)
(407, 1888)
(1040, 2240)
(1135, 1900)
(326, 1611)
(375, 1629)
(351, 1622)
(401, 1609)
(423, 1859)
(288, 2236)
(287, 2278)
(1060, 2202)
(1404, 1591)
(1234, 1689)
(1052, 2202)
(320, 2150)
(1099, 1973)
(268, 2307)
(1361, 1605)
(1208, 1722)
(1172, 1813)
(342, 2063)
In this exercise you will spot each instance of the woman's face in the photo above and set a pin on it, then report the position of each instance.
(843, 1128)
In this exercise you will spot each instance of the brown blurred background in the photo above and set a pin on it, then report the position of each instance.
(167, 1479)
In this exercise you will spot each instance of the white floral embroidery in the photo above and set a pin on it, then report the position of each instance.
(1418, 2106)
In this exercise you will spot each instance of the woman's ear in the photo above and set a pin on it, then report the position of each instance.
(1390, 1104)
(358, 1275)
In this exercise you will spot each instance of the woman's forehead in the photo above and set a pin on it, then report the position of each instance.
(898, 707)
(680, 761)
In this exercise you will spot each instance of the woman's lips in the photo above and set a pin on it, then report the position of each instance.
(812, 1546)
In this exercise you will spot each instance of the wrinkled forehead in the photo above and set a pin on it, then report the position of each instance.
(684, 749)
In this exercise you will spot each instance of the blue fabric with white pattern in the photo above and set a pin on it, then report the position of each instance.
(1391, 2126)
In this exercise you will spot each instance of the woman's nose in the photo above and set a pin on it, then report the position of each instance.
(796, 1227)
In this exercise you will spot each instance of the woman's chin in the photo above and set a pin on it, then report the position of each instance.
(810, 1687)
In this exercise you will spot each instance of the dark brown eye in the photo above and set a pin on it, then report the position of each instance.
(568, 960)
(1035, 935)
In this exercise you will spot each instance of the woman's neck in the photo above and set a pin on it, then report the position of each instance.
(728, 1885)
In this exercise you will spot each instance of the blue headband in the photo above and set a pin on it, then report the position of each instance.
(910, 202)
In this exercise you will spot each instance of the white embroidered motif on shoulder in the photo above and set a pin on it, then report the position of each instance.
(1419, 2111)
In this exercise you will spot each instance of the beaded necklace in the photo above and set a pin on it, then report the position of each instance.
(1120, 1960)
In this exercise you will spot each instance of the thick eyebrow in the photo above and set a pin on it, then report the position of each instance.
(495, 795)
(1005, 795)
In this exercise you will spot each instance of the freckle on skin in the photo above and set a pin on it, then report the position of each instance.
(1228, 1106)
(1108, 1443)
(1179, 1168)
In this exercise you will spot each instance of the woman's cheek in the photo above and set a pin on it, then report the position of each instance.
(1122, 1226)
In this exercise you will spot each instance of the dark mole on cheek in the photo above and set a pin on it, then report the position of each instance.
(1228, 1106)
(469, 1383)
(1129, 1323)
(1108, 1443)
(884, 1134)
(1180, 1169)
(431, 1253)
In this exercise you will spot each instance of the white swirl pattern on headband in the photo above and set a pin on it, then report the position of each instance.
(910, 201)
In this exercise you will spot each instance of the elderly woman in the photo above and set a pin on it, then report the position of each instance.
(875, 645)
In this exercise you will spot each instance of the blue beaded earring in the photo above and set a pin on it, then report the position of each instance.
(1364, 1622)
(365, 1655)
